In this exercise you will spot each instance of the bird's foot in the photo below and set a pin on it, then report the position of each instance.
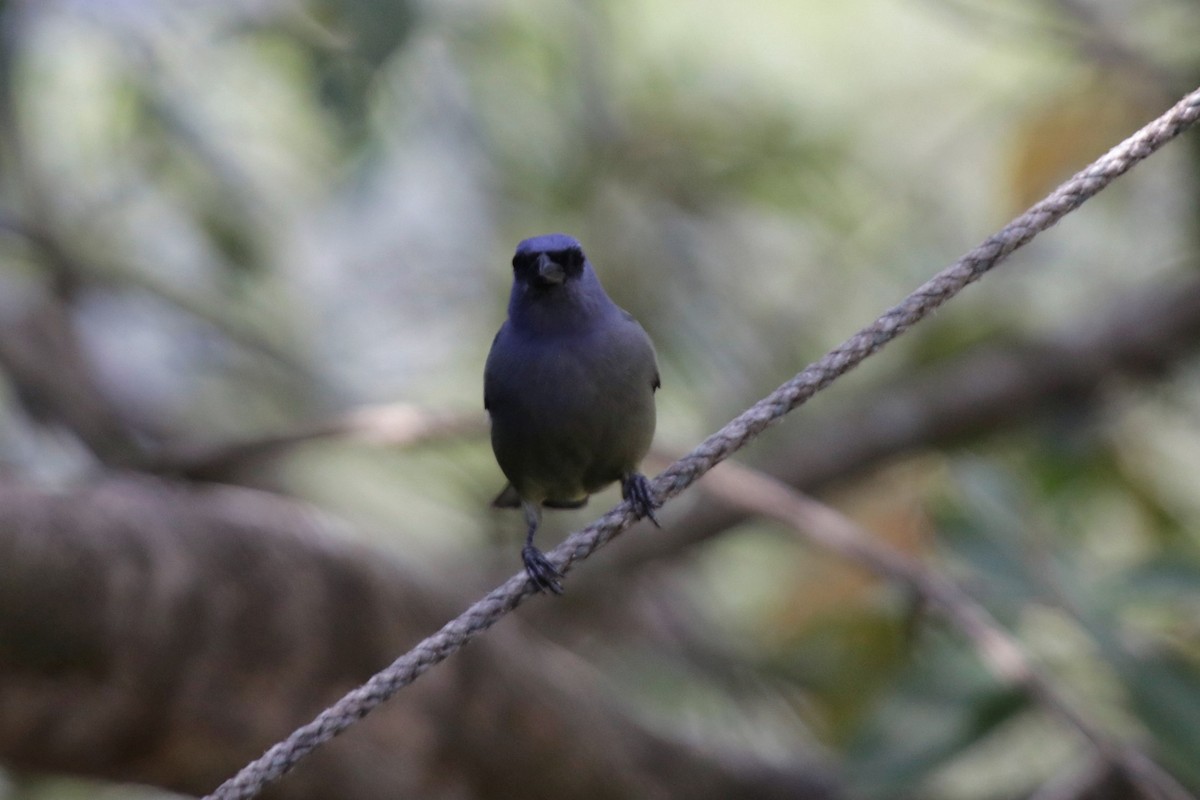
(539, 569)
(635, 488)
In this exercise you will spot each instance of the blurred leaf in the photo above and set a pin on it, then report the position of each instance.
(1164, 690)
(1065, 132)
(941, 705)
(700, 151)
(981, 525)
(1166, 578)
(349, 42)
(843, 662)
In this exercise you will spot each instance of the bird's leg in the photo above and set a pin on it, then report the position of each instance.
(636, 489)
(537, 566)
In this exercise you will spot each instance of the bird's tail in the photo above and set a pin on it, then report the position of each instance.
(508, 498)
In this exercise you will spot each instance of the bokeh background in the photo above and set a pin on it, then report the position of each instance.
(230, 223)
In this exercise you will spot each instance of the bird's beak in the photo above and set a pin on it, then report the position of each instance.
(549, 270)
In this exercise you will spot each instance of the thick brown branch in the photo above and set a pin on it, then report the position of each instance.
(166, 635)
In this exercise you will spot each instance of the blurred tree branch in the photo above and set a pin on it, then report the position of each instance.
(1099, 780)
(391, 425)
(42, 357)
(69, 274)
(161, 634)
(985, 390)
(1003, 655)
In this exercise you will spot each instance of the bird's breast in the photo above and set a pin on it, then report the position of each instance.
(572, 412)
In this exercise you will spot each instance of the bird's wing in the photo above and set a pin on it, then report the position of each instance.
(656, 383)
(487, 406)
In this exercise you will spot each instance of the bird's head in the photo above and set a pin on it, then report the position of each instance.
(546, 262)
(554, 287)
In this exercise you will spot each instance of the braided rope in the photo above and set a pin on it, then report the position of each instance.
(742, 429)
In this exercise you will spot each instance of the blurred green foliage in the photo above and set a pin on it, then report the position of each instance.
(278, 210)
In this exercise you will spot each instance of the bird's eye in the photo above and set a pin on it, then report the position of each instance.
(572, 259)
(523, 262)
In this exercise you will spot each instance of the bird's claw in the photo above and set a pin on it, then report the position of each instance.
(540, 571)
(635, 488)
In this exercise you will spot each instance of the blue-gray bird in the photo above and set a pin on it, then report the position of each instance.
(569, 386)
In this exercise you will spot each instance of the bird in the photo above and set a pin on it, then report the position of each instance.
(569, 388)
